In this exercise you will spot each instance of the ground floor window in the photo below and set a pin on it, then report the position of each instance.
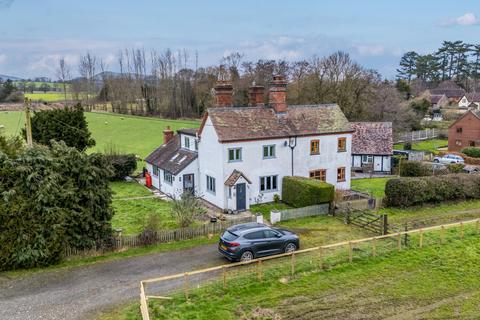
(341, 174)
(471, 143)
(155, 170)
(367, 159)
(320, 174)
(211, 184)
(268, 183)
(458, 142)
(167, 176)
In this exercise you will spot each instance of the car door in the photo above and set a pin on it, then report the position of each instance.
(256, 242)
(275, 242)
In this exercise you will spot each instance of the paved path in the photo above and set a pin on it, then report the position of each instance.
(80, 293)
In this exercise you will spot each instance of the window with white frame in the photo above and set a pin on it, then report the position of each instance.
(167, 176)
(155, 170)
(268, 183)
(196, 145)
(269, 151)
(211, 184)
(234, 154)
(187, 142)
(367, 159)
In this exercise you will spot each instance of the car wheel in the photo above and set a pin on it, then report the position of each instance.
(290, 247)
(246, 256)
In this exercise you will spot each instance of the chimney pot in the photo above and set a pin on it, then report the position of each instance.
(223, 94)
(167, 135)
(255, 95)
(277, 96)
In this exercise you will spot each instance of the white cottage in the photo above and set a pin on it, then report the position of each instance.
(372, 146)
(470, 101)
(240, 155)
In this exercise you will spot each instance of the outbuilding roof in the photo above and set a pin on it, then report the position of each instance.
(171, 156)
(256, 123)
(372, 138)
(233, 178)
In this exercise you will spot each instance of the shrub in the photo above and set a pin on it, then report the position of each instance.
(455, 167)
(276, 198)
(472, 152)
(122, 165)
(407, 146)
(414, 169)
(404, 192)
(302, 192)
(186, 209)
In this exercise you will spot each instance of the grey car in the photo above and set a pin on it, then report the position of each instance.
(247, 241)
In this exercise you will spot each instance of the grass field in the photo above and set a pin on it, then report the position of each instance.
(139, 135)
(436, 282)
(373, 186)
(427, 145)
(132, 215)
(48, 96)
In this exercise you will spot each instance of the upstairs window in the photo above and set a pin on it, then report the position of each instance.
(459, 130)
(235, 154)
(319, 174)
(458, 142)
(196, 145)
(167, 177)
(211, 184)
(341, 174)
(342, 144)
(268, 183)
(187, 142)
(269, 151)
(315, 147)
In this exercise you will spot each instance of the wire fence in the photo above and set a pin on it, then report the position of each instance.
(190, 285)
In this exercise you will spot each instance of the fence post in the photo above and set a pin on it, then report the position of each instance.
(461, 230)
(442, 235)
(259, 270)
(224, 275)
(374, 247)
(293, 263)
(399, 242)
(350, 253)
(421, 238)
(384, 224)
(406, 235)
(320, 257)
(185, 285)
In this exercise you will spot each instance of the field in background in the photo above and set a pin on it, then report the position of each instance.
(48, 96)
(427, 145)
(139, 135)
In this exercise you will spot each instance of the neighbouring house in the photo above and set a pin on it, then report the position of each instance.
(470, 101)
(450, 89)
(372, 146)
(240, 155)
(438, 101)
(465, 132)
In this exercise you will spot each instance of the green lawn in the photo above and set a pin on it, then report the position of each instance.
(139, 135)
(265, 208)
(427, 145)
(132, 215)
(373, 186)
(436, 282)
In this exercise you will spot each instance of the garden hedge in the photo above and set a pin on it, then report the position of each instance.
(301, 192)
(122, 165)
(473, 152)
(414, 169)
(404, 192)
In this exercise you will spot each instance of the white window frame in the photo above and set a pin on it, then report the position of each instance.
(167, 177)
(369, 159)
(186, 142)
(237, 157)
(265, 182)
(155, 170)
(211, 184)
(271, 151)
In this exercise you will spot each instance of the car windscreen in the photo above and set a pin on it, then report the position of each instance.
(229, 236)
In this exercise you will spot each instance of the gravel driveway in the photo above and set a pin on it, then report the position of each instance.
(81, 293)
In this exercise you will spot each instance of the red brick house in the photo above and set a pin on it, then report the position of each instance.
(465, 132)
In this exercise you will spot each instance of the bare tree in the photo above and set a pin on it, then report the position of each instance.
(63, 75)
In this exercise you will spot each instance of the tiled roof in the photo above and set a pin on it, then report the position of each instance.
(171, 157)
(232, 179)
(450, 93)
(372, 138)
(434, 98)
(473, 97)
(188, 131)
(254, 123)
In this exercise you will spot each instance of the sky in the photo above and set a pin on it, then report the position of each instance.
(34, 34)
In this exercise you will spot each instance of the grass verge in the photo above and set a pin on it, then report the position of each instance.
(373, 186)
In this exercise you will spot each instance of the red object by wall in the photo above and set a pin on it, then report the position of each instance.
(148, 180)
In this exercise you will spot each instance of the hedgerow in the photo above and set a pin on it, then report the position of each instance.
(301, 192)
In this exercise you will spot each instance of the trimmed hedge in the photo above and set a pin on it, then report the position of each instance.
(404, 192)
(301, 192)
(472, 152)
(414, 169)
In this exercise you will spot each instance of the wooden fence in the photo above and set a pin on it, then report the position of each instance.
(316, 259)
(364, 219)
(158, 237)
(289, 214)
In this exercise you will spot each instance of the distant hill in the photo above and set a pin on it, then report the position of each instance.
(4, 77)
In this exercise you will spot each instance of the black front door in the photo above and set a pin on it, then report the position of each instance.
(241, 197)
(188, 183)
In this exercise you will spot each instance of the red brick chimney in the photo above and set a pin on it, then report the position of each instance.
(223, 94)
(167, 135)
(255, 95)
(277, 97)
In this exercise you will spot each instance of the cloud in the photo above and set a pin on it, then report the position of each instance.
(468, 19)
(370, 50)
(3, 58)
(49, 63)
(5, 4)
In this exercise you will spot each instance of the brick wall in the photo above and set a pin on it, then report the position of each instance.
(464, 132)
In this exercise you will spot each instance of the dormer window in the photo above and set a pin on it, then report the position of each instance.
(187, 142)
